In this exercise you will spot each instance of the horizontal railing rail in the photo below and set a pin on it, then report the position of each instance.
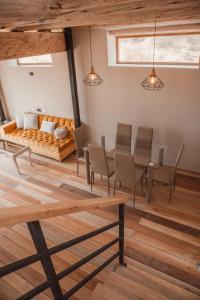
(29, 213)
(32, 214)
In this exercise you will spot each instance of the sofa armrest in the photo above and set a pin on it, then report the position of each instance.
(4, 129)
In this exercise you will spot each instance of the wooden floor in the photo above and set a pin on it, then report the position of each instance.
(162, 241)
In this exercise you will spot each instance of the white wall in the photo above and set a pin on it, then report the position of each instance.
(49, 88)
(173, 112)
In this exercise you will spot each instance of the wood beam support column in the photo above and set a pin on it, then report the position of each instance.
(72, 75)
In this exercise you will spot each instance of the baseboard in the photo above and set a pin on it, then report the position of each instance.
(188, 172)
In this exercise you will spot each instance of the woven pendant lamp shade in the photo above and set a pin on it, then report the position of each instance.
(152, 82)
(93, 79)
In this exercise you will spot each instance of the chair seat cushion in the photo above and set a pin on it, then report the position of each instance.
(162, 174)
(139, 172)
(35, 137)
(111, 153)
(141, 160)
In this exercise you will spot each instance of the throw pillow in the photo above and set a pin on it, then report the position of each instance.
(48, 126)
(30, 121)
(19, 121)
(60, 133)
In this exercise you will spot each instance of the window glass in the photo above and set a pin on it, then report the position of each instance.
(45, 59)
(179, 49)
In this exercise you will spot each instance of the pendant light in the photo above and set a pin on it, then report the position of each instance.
(92, 79)
(152, 82)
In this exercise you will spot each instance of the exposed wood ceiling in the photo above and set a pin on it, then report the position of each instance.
(44, 14)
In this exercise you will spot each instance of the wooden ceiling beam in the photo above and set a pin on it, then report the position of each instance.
(164, 29)
(21, 44)
(46, 14)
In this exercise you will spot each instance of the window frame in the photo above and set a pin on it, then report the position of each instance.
(161, 64)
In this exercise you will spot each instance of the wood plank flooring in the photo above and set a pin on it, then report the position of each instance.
(162, 240)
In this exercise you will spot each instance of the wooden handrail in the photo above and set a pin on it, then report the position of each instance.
(25, 214)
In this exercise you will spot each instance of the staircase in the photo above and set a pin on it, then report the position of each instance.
(140, 282)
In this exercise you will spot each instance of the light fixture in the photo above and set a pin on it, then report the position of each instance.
(152, 82)
(92, 79)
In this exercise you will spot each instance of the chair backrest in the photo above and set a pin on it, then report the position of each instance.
(124, 168)
(123, 137)
(178, 158)
(98, 161)
(80, 138)
(143, 143)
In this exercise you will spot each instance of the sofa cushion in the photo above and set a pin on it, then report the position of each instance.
(30, 121)
(35, 137)
(19, 121)
(60, 133)
(61, 122)
(48, 126)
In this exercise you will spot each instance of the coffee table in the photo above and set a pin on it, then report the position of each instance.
(13, 150)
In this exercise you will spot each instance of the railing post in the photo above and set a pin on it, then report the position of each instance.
(121, 235)
(41, 247)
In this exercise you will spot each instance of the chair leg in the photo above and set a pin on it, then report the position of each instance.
(108, 186)
(91, 179)
(114, 187)
(141, 183)
(133, 195)
(101, 176)
(170, 193)
(77, 167)
(146, 181)
(174, 184)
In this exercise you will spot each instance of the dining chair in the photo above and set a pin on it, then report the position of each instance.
(81, 141)
(100, 164)
(143, 146)
(126, 172)
(167, 175)
(122, 139)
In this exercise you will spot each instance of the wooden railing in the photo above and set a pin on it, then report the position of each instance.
(33, 214)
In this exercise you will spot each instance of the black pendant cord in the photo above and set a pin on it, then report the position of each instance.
(154, 43)
(90, 47)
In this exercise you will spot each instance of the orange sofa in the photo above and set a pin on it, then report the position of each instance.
(41, 142)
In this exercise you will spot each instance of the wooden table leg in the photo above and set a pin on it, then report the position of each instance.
(149, 182)
(87, 165)
(16, 164)
(161, 155)
(29, 155)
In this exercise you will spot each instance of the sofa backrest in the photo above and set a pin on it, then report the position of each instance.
(61, 122)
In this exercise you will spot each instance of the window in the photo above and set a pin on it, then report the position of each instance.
(45, 59)
(179, 50)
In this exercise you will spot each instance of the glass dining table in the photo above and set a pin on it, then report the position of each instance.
(149, 163)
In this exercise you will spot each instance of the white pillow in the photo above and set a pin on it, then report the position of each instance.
(48, 126)
(19, 121)
(60, 132)
(30, 121)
